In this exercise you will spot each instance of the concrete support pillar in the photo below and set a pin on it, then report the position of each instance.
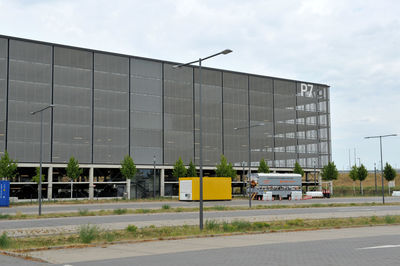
(91, 186)
(128, 188)
(162, 183)
(50, 183)
(320, 181)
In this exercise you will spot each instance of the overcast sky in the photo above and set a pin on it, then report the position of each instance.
(353, 46)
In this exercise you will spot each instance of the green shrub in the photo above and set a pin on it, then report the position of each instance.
(131, 228)
(120, 211)
(5, 241)
(109, 236)
(296, 222)
(4, 216)
(165, 231)
(219, 208)
(142, 211)
(212, 225)
(83, 212)
(88, 233)
(165, 207)
(261, 225)
(241, 225)
(390, 219)
(227, 227)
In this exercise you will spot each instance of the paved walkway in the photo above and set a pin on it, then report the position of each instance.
(118, 251)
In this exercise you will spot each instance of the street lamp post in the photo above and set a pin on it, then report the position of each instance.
(41, 157)
(376, 188)
(224, 52)
(243, 190)
(249, 163)
(380, 145)
(154, 176)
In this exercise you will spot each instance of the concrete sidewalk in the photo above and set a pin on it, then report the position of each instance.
(117, 251)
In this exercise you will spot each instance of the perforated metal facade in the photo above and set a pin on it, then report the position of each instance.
(3, 91)
(29, 88)
(109, 105)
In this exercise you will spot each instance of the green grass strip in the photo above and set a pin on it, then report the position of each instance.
(92, 234)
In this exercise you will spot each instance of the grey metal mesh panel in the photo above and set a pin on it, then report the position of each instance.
(29, 90)
(111, 108)
(178, 114)
(307, 123)
(3, 92)
(285, 123)
(146, 111)
(235, 93)
(72, 126)
(324, 126)
(211, 117)
(329, 157)
(73, 58)
(261, 112)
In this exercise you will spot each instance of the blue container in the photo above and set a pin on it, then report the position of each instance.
(4, 193)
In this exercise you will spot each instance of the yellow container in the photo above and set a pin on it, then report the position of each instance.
(214, 188)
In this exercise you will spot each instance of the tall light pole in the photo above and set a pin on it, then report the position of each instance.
(243, 190)
(380, 142)
(376, 187)
(249, 164)
(154, 176)
(224, 52)
(41, 144)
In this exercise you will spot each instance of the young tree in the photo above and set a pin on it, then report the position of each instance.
(263, 167)
(8, 167)
(224, 169)
(362, 174)
(179, 169)
(128, 168)
(330, 172)
(232, 172)
(73, 170)
(354, 176)
(36, 178)
(297, 169)
(191, 171)
(389, 173)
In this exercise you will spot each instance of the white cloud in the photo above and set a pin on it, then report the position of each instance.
(350, 45)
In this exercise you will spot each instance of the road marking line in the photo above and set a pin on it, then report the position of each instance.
(384, 246)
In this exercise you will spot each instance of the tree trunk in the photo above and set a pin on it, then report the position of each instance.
(354, 188)
(71, 188)
(361, 192)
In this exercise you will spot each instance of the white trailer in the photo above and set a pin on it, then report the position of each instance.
(280, 185)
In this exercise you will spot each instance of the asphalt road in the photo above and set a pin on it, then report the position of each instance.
(72, 224)
(333, 252)
(12, 261)
(54, 208)
(365, 246)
